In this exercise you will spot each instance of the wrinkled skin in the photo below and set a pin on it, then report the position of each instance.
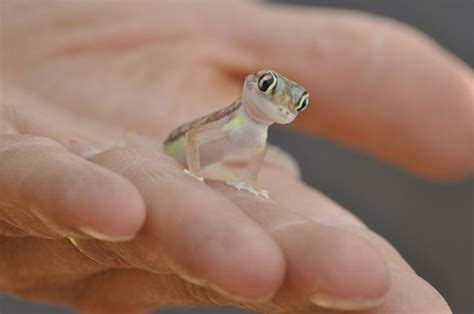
(74, 76)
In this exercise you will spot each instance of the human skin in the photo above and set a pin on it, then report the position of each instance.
(75, 75)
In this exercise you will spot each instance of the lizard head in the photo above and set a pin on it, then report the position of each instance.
(272, 97)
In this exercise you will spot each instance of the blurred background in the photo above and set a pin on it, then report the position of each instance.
(429, 223)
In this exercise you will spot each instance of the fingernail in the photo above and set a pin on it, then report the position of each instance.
(100, 236)
(194, 280)
(203, 283)
(231, 296)
(91, 152)
(330, 302)
(84, 148)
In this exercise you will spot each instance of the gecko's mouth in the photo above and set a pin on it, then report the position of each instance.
(284, 115)
(271, 113)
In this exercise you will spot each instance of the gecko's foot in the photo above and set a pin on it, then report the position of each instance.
(194, 176)
(245, 185)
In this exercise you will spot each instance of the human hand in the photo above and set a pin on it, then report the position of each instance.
(78, 88)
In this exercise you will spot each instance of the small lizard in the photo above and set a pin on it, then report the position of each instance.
(239, 130)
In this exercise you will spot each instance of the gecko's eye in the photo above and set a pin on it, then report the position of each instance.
(303, 103)
(267, 82)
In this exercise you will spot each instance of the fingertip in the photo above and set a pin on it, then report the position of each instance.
(77, 197)
(252, 271)
(112, 211)
(355, 275)
(332, 268)
(414, 293)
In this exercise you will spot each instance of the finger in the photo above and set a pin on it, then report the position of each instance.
(193, 230)
(318, 208)
(375, 84)
(32, 263)
(39, 178)
(325, 265)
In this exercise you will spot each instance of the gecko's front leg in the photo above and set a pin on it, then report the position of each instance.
(248, 183)
(192, 156)
(194, 138)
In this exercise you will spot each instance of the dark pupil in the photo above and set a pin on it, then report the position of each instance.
(265, 82)
(303, 105)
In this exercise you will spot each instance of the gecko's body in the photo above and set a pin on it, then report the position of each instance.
(240, 136)
(239, 129)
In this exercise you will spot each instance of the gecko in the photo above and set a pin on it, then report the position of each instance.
(240, 129)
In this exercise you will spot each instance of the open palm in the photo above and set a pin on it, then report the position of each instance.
(142, 233)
